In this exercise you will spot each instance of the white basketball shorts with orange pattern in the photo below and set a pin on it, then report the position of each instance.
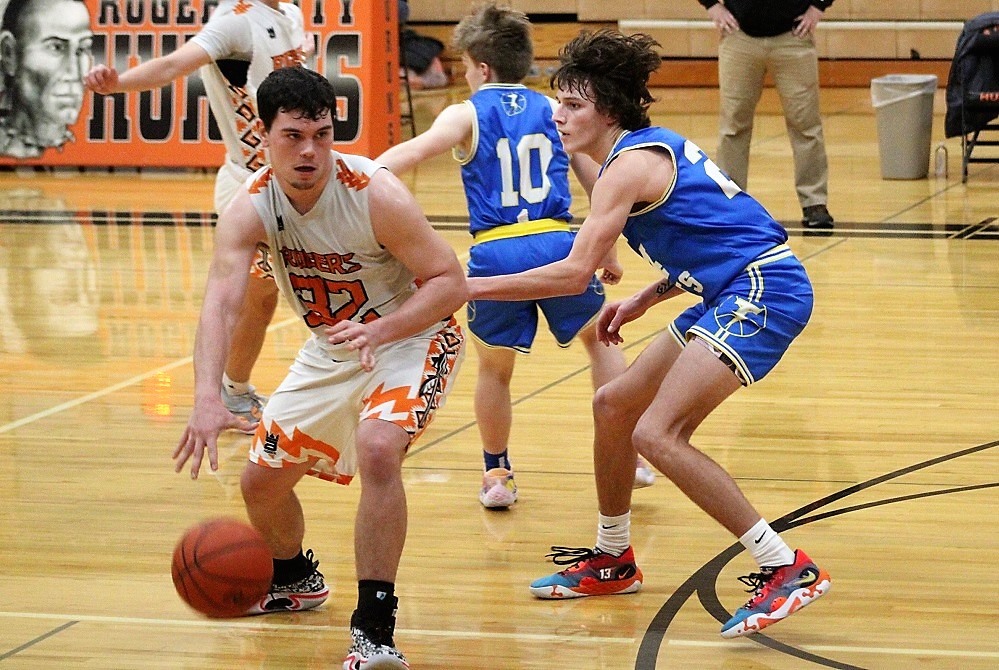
(315, 411)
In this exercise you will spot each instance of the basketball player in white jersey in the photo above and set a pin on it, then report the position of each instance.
(242, 42)
(358, 261)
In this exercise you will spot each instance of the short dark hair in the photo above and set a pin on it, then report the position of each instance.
(500, 37)
(294, 89)
(616, 67)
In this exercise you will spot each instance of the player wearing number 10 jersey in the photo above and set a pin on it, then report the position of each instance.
(515, 173)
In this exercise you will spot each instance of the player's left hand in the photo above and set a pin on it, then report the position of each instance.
(615, 315)
(359, 337)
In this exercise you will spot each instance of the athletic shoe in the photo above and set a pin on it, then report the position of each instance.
(592, 573)
(248, 405)
(372, 647)
(304, 594)
(498, 489)
(644, 476)
(816, 217)
(778, 592)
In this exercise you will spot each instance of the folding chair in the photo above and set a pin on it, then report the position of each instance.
(973, 90)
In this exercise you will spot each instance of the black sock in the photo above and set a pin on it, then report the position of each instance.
(291, 570)
(376, 601)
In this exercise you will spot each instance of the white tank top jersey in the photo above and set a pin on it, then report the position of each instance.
(247, 40)
(327, 262)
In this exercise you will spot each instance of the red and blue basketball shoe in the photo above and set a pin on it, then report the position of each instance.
(591, 573)
(778, 592)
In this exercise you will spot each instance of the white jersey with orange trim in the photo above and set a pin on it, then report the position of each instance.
(330, 267)
(247, 40)
(327, 262)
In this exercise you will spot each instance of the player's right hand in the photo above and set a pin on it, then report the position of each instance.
(201, 435)
(102, 79)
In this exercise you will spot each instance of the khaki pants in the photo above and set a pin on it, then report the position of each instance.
(792, 62)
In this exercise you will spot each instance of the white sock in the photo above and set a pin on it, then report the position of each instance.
(614, 533)
(235, 388)
(766, 546)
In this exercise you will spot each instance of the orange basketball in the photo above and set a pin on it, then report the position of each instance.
(221, 567)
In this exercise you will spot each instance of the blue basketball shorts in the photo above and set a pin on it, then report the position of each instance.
(514, 324)
(753, 321)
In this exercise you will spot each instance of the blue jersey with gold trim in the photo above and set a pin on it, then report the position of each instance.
(516, 169)
(704, 230)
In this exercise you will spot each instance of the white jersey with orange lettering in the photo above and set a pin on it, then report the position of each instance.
(327, 262)
(247, 40)
(330, 267)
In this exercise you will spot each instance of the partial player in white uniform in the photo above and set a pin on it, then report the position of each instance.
(358, 261)
(242, 42)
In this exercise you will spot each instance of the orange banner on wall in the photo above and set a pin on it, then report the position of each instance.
(356, 48)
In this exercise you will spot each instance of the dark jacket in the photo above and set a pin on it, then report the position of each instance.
(974, 71)
(767, 18)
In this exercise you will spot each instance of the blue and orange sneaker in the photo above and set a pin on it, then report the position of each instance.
(591, 573)
(778, 592)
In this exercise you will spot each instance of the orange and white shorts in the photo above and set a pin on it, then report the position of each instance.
(315, 411)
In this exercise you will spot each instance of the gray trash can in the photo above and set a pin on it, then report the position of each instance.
(904, 107)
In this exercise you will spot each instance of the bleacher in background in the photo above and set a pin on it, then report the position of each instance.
(857, 41)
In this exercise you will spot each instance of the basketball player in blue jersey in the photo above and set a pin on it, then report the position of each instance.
(708, 238)
(515, 174)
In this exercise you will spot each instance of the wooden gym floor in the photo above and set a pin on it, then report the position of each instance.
(872, 444)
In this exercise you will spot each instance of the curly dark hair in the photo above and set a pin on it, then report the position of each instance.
(612, 70)
(294, 89)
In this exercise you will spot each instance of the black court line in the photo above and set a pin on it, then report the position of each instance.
(26, 645)
(703, 581)
(984, 230)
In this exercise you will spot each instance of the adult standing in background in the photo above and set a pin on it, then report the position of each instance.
(758, 36)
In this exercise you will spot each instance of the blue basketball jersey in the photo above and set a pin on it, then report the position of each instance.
(516, 169)
(704, 230)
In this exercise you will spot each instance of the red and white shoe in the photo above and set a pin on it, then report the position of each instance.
(778, 593)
